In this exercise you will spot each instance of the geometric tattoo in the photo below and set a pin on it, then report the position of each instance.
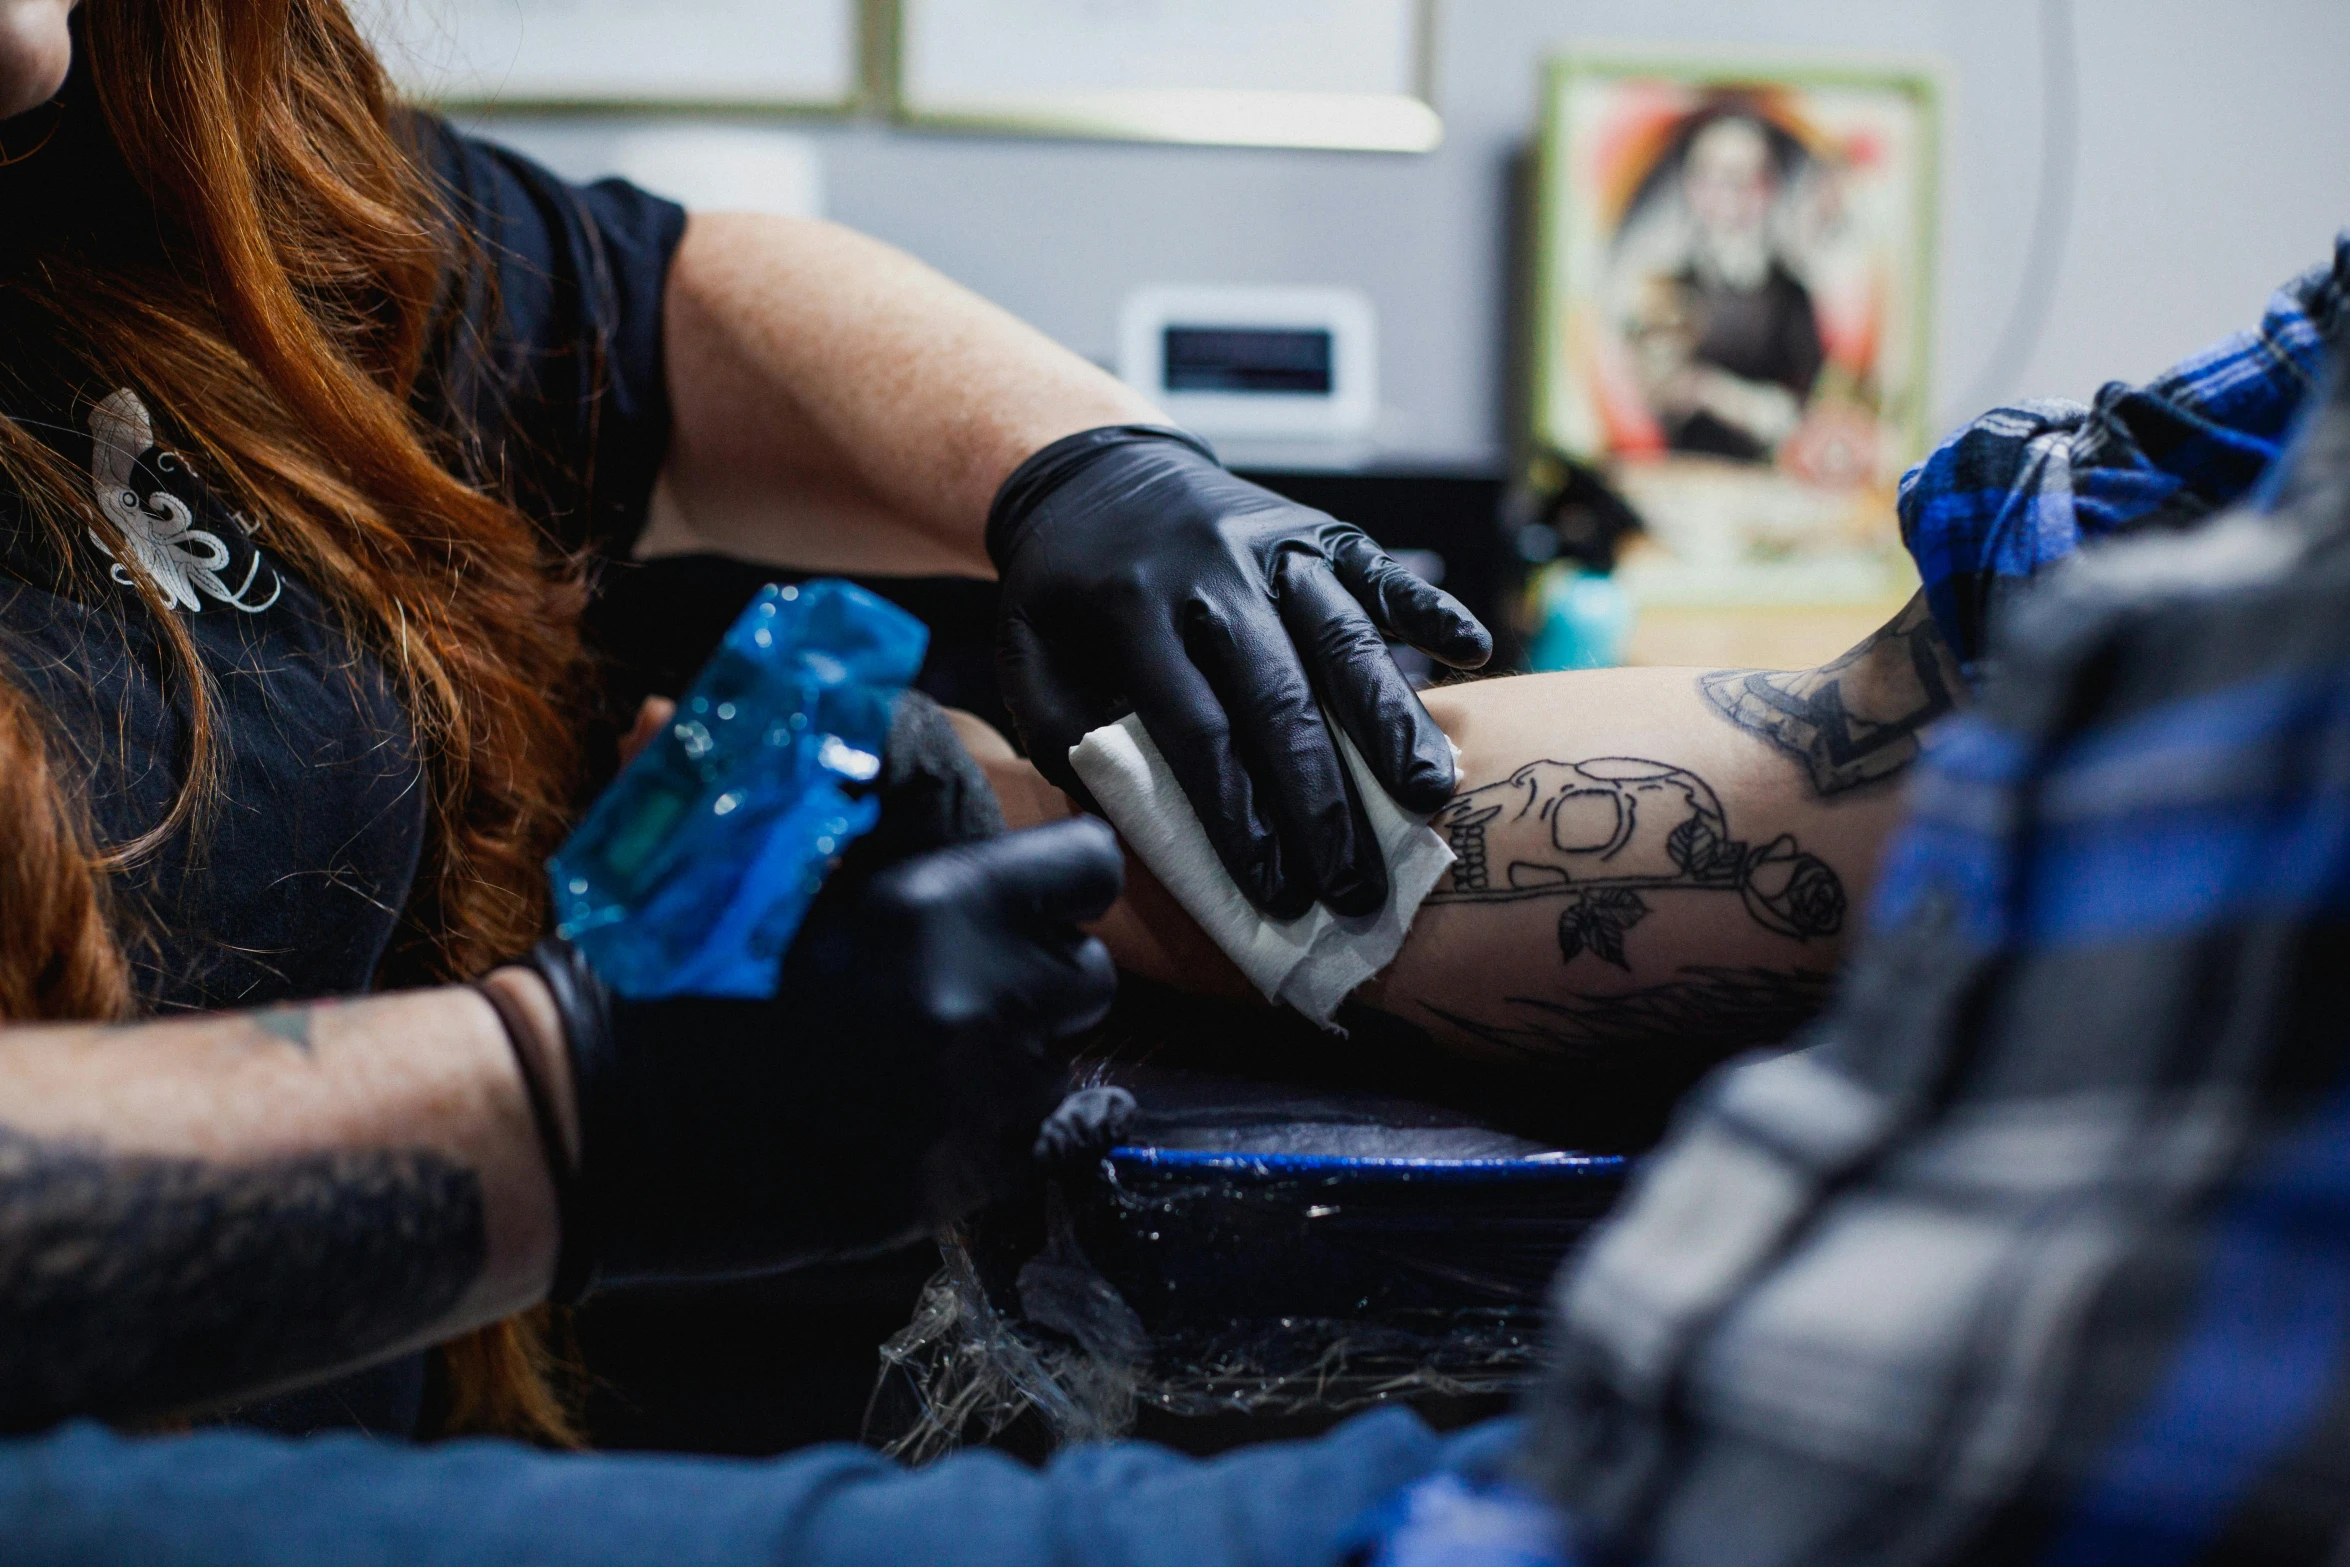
(1601, 832)
(1855, 720)
(133, 1284)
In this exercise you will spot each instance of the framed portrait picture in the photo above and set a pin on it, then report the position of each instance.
(798, 56)
(1734, 291)
(1347, 74)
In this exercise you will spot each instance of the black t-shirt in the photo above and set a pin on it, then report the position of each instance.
(550, 387)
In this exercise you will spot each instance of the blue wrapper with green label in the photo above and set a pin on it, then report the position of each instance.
(691, 873)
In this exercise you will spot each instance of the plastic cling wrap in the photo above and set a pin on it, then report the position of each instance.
(691, 873)
(1248, 1248)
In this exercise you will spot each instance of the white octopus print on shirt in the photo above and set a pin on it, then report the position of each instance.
(186, 563)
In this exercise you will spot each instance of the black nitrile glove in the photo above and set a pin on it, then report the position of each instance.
(1084, 1126)
(1139, 574)
(898, 1078)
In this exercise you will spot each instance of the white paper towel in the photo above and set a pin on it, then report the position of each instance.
(1310, 962)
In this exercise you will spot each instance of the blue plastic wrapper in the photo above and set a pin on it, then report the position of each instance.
(692, 872)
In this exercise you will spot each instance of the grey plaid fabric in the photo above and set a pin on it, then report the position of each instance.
(2041, 1250)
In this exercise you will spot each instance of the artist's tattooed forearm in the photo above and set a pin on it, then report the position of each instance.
(1604, 834)
(132, 1284)
(1666, 1033)
(1854, 721)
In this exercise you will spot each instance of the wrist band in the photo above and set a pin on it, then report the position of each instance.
(573, 1256)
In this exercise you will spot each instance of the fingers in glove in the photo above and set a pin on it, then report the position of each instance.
(1085, 1125)
(1408, 607)
(1061, 874)
(1053, 714)
(1084, 998)
(1186, 722)
(1049, 984)
(1367, 695)
(1249, 660)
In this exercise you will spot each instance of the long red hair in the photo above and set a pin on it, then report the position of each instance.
(274, 301)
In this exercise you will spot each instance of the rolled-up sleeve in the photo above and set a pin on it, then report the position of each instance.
(2024, 486)
(546, 377)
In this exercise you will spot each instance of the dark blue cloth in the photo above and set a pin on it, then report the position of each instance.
(84, 1497)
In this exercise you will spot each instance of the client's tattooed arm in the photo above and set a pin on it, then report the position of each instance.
(196, 1211)
(1639, 888)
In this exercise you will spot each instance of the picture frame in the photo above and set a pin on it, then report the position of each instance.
(1350, 75)
(1733, 270)
(483, 57)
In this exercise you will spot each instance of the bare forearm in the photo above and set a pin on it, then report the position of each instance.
(839, 406)
(199, 1210)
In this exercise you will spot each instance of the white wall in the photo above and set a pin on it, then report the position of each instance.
(2213, 162)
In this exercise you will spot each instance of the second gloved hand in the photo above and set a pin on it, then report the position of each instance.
(897, 1079)
(1140, 574)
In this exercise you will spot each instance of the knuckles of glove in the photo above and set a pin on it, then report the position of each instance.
(1186, 526)
(1085, 1125)
(940, 943)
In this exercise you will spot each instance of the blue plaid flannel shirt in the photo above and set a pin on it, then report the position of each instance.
(2040, 1253)
(2024, 486)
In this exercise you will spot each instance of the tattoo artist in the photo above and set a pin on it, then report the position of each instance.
(318, 415)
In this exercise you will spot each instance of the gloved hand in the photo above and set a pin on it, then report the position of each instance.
(897, 1079)
(1139, 574)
